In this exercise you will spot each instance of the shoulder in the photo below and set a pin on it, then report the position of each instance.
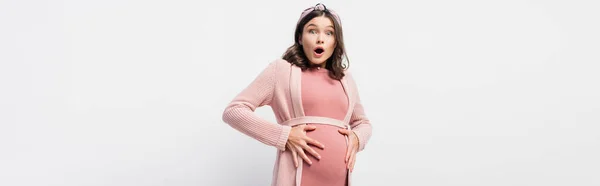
(281, 63)
(275, 67)
(348, 75)
(281, 66)
(350, 80)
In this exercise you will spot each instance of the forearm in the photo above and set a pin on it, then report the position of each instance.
(246, 121)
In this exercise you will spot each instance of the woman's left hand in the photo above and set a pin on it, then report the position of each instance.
(352, 147)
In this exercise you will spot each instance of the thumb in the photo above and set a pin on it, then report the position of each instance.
(343, 131)
(310, 127)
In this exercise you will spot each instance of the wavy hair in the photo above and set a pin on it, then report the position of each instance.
(295, 54)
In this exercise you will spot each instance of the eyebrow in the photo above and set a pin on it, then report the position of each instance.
(317, 26)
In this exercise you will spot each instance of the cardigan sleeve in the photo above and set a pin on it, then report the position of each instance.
(359, 122)
(239, 113)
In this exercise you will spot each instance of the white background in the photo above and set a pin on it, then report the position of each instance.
(460, 93)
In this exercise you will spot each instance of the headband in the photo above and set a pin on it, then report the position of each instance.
(321, 7)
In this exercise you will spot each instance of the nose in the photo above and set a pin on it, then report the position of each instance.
(320, 39)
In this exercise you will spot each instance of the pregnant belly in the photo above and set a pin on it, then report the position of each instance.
(331, 168)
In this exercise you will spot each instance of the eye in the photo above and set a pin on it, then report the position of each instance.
(311, 31)
(330, 33)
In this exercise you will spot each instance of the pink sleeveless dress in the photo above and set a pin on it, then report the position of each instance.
(323, 96)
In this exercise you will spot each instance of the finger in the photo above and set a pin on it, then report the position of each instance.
(348, 150)
(311, 151)
(303, 155)
(352, 160)
(345, 132)
(295, 156)
(349, 165)
(314, 142)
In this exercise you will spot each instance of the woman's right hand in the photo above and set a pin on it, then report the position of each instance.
(298, 143)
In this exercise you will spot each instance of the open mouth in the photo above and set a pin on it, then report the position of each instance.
(319, 50)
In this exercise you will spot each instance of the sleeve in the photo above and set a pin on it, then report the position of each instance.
(239, 113)
(359, 122)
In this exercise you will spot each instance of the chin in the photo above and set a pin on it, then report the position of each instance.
(317, 62)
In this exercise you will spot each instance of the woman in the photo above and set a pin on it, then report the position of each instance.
(321, 124)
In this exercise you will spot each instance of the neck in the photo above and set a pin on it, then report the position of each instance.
(317, 66)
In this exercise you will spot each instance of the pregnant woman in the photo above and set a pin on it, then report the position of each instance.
(321, 124)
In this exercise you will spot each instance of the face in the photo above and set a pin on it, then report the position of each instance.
(318, 40)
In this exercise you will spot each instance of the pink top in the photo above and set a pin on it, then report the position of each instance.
(325, 97)
(322, 95)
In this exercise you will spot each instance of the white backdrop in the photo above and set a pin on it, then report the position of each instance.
(460, 93)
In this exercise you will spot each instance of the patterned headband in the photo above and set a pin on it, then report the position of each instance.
(321, 7)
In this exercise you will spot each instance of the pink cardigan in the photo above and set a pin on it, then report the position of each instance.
(278, 86)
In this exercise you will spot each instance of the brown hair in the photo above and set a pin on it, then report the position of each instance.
(295, 54)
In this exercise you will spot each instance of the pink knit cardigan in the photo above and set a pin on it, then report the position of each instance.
(278, 86)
